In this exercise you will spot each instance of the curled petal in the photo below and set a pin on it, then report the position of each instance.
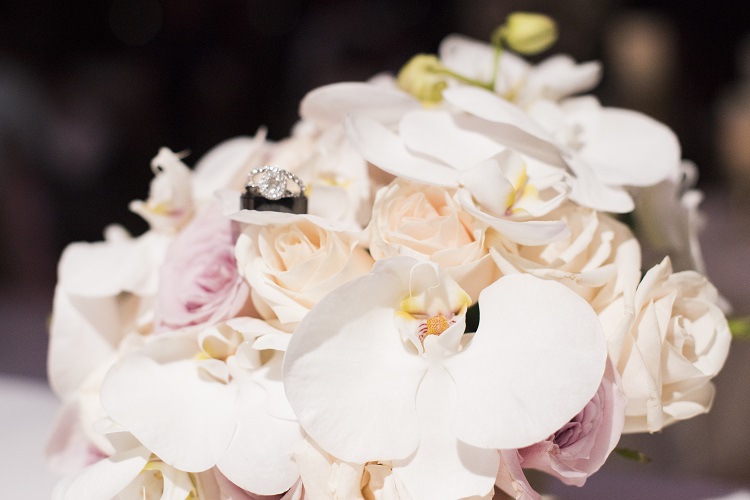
(384, 149)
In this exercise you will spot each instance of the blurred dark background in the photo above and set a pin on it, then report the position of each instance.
(90, 90)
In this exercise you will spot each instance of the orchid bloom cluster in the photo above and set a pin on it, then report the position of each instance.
(459, 305)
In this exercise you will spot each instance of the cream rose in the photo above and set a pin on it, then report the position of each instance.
(290, 267)
(599, 260)
(667, 342)
(426, 222)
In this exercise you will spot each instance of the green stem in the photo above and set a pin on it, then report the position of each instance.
(461, 78)
(495, 66)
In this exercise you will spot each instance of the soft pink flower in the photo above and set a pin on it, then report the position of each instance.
(576, 450)
(199, 281)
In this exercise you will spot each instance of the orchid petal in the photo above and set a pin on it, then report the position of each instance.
(434, 133)
(261, 443)
(384, 149)
(490, 107)
(563, 77)
(104, 479)
(444, 467)
(524, 318)
(163, 402)
(533, 232)
(92, 324)
(130, 265)
(632, 149)
(489, 185)
(468, 57)
(329, 105)
(507, 133)
(365, 359)
(589, 191)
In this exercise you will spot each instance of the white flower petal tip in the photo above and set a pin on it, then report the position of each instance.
(632, 149)
(385, 149)
(170, 202)
(330, 104)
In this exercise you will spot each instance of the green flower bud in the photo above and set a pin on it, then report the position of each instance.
(424, 77)
(527, 33)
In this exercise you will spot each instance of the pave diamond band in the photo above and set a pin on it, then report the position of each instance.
(271, 188)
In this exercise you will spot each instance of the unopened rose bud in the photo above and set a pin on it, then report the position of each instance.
(527, 33)
(424, 77)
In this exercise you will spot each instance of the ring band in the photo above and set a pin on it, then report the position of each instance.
(268, 189)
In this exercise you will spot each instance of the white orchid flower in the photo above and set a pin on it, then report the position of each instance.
(516, 80)
(495, 184)
(380, 370)
(209, 403)
(170, 200)
(606, 148)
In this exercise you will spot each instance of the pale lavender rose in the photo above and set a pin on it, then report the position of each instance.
(582, 445)
(199, 282)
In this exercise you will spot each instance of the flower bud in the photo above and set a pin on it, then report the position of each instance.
(527, 33)
(424, 78)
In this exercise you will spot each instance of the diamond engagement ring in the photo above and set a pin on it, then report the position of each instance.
(271, 188)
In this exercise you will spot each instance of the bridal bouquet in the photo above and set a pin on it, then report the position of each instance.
(420, 294)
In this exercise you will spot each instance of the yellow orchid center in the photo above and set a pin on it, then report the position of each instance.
(436, 325)
(521, 188)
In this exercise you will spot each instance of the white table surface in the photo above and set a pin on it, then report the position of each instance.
(27, 411)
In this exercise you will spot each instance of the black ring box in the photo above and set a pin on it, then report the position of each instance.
(291, 205)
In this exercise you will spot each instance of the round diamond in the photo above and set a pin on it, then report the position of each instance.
(272, 184)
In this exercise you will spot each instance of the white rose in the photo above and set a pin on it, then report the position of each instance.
(667, 342)
(426, 222)
(598, 260)
(291, 266)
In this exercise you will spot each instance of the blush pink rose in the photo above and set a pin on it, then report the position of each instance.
(199, 282)
(581, 446)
